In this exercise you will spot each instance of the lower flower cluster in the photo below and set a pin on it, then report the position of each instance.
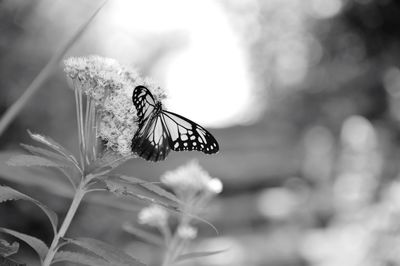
(194, 189)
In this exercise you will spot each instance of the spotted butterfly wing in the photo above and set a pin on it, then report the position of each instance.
(187, 135)
(160, 131)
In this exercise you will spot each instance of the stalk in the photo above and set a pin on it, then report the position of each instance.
(176, 244)
(79, 119)
(79, 193)
(83, 120)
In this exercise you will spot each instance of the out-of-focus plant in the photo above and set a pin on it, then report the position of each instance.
(7, 249)
(37, 83)
(107, 121)
(364, 218)
(194, 188)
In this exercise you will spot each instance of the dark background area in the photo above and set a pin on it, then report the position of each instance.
(313, 180)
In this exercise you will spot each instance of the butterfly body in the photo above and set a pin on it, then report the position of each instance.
(160, 130)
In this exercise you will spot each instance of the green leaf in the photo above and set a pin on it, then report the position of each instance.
(107, 252)
(46, 153)
(161, 192)
(194, 255)
(38, 245)
(134, 187)
(71, 174)
(55, 146)
(135, 191)
(41, 177)
(7, 249)
(126, 179)
(79, 258)
(33, 160)
(149, 237)
(7, 193)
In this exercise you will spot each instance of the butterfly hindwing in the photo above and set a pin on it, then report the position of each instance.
(187, 135)
(152, 142)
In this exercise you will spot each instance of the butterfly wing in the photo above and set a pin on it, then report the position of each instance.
(186, 135)
(152, 142)
(144, 103)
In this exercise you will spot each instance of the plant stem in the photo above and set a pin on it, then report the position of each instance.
(175, 245)
(37, 83)
(79, 193)
(81, 131)
(167, 258)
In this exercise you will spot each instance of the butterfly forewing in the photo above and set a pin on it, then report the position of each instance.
(144, 104)
(187, 135)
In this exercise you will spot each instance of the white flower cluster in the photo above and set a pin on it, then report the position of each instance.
(191, 179)
(110, 85)
(187, 232)
(194, 188)
(153, 215)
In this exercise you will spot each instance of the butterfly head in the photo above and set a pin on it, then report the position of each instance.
(158, 108)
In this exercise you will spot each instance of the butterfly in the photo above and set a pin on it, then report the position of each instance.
(161, 131)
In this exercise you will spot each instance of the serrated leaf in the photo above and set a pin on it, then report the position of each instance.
(79, 258)
(38, 245)
(149, 237)
(71, 173)
(33, 160)
(107, 252)
(194, 255)
(55, 146)
(7, 193)
(7, 249)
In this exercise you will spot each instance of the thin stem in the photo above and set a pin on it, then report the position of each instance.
(78, 103)
(82, 130)
(86, 130)
(168, 254)
(171, 249)
(37, 83)
(179, 247)
(166, 232)
(176, 243)
(96, 140)
(79, 193)
(92, 131)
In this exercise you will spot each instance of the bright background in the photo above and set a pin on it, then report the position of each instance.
(302, 95)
